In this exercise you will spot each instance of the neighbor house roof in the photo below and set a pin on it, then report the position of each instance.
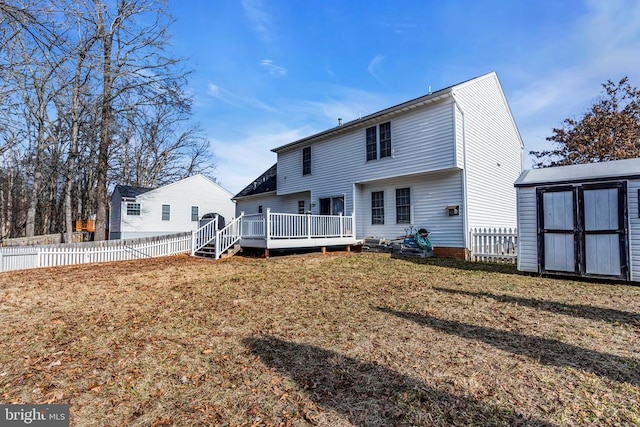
(627, 168)
(131, 191)
(265, 183)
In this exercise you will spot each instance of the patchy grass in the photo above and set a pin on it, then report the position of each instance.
(341, 339)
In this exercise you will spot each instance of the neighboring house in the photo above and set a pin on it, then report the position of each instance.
(445, 161)
(172, 208)
(581, 220)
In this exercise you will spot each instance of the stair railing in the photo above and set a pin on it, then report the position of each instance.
(228, 235)
(204, 235)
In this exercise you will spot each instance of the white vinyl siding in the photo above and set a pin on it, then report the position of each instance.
(493, 153)
(196, 190)
(430, 195)
(286, 204)
(422, 141)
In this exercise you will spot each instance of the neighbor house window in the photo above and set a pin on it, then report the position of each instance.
(403, 205)
(133, 209)
(306, 161)
(300, 206)
(377, 207)
(166, 212)
(194, 213)
(378, 141)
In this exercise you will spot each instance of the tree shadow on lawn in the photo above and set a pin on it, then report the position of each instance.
(460, 264)
(584, 311)
(546, 351)
(368, 394)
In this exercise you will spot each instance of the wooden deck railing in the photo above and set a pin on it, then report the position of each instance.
(296, 226)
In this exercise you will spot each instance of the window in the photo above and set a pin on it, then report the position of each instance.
(332, 206)
(306, 161)
(300, 206)
(260, 209)
(133, 209)
(385, 140)
(377, 207)
(403, 205)
(166, 212)
(194, 213)
(378, 141)
(372, 144)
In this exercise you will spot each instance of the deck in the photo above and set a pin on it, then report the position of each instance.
(271, 230)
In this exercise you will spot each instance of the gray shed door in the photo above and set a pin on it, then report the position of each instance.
(582, 229)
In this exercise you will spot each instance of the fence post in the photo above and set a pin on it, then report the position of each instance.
(267, 224)
(193, 242)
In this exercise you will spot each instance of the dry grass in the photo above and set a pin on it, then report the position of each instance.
(343, 339)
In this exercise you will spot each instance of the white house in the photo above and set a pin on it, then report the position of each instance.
(172, 208)
(580, 220)
(445, 161)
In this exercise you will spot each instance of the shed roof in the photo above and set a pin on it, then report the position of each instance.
(628, 168)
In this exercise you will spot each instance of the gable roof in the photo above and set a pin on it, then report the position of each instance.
(382, 114)
(131, 190)
(265, 183)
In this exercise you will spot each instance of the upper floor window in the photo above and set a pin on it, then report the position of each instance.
(403, 205)
(378, 141)
(306, 161)
(133, 209)
(385, 140)
(377, 207)
(372, 143)
(166, 212)
(194, 213)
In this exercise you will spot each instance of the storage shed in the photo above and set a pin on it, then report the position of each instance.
(580, 220)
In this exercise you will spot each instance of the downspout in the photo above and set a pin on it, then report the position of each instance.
(465, 216)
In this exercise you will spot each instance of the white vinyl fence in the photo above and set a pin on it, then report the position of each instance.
(494, 244)
(25, 257)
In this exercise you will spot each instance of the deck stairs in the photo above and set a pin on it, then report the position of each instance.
(208, 241)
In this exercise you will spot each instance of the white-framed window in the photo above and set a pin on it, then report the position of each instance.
(300, 206)
(306, 161)
(378, 141)
(166, 212)
(194, 213)
(377, 207)
(403, 205)
(133, 209)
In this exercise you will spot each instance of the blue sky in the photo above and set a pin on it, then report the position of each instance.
(268, 72)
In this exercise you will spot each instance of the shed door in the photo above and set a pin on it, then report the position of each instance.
(604, 231)
(582, 230)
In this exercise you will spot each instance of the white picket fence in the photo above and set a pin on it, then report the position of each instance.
(26, 257)
(494, 245)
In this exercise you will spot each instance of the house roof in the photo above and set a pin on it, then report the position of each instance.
(263, 184)
(131, 191)
(628, 168)
(382, 114)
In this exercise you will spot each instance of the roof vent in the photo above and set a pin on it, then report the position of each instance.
(339, 121)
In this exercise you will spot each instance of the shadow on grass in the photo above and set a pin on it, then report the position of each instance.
(460, 264)
(544, 350)
(584, 311)
(368, 394)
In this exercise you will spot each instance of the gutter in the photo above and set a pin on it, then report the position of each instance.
(465, 216)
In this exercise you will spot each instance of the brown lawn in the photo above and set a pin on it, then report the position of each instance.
(340, 339)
